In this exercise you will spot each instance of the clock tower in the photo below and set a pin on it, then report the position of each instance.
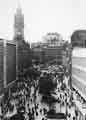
(19, 25)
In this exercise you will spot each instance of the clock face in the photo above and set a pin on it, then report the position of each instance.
(19, 33)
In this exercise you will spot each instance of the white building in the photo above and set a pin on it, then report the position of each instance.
(79, 70)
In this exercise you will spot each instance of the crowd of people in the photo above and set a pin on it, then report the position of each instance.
(64, 97)
(24, 102)
(65, 101)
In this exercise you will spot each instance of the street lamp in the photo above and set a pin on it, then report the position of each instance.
(66, 106)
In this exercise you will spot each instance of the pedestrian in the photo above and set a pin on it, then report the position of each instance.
(69, 116)
(36, 113)
(74, 118)
(41, 111)
(42, 118)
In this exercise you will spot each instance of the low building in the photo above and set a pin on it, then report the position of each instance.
(53, 48)
(52, 53)
(38, 55)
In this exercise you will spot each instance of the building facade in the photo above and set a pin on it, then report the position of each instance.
(53, 52)
(7, 64)
(51, 49)
(23, 48)
(79, 80)
(78, 38)
(79, 70)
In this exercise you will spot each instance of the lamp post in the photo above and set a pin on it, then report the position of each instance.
(66, 106)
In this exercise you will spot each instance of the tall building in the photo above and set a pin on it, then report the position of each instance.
(19, 25)
(7, 64)
(23, 48)
(79, 79)
(79, 70)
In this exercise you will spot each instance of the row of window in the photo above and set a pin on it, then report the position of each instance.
(78, 43)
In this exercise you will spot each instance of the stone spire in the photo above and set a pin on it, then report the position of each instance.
(19, 24)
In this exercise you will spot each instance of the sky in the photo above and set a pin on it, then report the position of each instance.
(42, 16)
